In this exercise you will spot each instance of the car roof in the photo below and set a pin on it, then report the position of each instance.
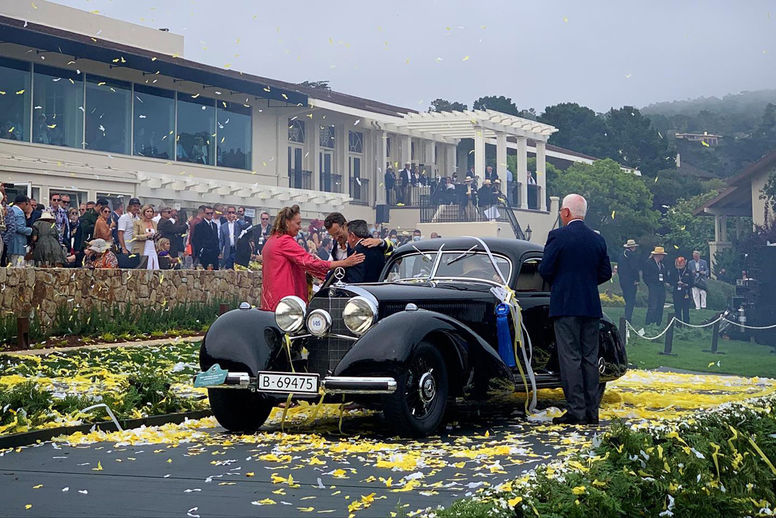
(513, 248)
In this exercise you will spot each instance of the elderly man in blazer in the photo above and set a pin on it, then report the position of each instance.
(575, 262)
(700, 273)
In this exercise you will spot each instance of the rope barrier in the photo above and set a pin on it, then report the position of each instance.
(673, 320)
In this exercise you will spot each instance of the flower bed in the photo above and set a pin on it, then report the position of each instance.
(38, 392)
(714, 463)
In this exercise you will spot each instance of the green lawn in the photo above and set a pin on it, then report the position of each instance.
(741, 358)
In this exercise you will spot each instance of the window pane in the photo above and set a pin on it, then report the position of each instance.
(14, 100)
(154, 122)
(234, 135)
(296, 130)
(355, 142)
(326, 138)
(196, 130)
(108, 107)
(58, 104)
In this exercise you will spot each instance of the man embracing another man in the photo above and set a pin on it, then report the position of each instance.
(575, 262)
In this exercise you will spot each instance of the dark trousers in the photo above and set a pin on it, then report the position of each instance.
(629, 294)
(655, 302)
(682, 305)
(208, 258)
(229, 258)
(577, 340)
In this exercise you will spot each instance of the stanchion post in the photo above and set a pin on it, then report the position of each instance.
(714, 340)
(223, 308)
(623, 330)
(669, 340)
(23, 332)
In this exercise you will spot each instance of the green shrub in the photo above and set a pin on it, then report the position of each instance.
(718, 293)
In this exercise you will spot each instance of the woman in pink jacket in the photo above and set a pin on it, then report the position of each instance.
(285, 262)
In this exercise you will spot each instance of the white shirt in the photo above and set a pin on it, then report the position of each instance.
(126, 223)
(230, 226)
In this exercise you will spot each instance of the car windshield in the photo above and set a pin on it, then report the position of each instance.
(453, 264)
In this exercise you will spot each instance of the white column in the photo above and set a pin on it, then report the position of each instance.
(479, 153)
(406, 150)
(430, 158)
(522, 170)
(541, 173)
(341, 156)
(501, 156)
(381, 141)
(451, 158)
(281, 157)
(313, 135)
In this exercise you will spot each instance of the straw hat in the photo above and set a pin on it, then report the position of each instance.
(47, 216)
(630, 243)
(99, 245)
(658, 251)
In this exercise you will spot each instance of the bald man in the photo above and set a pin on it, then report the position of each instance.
(575, 262)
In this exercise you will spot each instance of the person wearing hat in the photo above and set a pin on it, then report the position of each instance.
(485, 195)
(47, 251)
(628, 272)
(99, 255)
(680, 279)
(655, 277)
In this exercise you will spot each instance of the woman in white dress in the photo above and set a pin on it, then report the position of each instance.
(145, 234)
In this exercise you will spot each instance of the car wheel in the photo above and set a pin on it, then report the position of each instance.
(239, 410)
(417, 408)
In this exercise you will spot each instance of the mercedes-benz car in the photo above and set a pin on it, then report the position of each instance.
(424, 336)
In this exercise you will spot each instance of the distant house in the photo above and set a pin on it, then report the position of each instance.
(709, 139)
(740, 199)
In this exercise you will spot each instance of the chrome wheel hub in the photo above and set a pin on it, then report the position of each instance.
(427, 387)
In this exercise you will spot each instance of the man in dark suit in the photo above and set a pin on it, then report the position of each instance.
(172, 230)
(628, 272)
(405, 178)
(369, 270)
(390, 183)
(575, 262)
(205, 241)
(655, 276)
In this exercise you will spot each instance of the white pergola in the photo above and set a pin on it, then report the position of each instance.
(488, 125)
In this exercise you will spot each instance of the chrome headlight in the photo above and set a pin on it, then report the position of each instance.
(289, 314)
(359, 315)
(318, 322)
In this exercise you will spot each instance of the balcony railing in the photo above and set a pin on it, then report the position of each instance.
(434, 212)
(331, 182)
(359, 190)
(299, 179)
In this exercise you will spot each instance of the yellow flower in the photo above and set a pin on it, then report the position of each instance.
(579, 490)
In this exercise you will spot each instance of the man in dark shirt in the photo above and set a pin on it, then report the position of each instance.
(172, 230)
(205, 241)
(655, 277)
(369, 270)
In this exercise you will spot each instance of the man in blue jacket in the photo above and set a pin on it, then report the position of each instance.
(575, 262)
(18, 239)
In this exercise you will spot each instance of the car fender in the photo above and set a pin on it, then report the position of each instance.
(241, 340)
(389, 344)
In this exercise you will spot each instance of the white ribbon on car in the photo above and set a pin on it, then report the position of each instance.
(507, 295)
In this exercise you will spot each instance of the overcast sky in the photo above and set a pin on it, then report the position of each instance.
(597, 53)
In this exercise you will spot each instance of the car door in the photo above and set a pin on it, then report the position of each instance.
(533, 294)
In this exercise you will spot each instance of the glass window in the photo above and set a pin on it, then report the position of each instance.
(58, 107)
(471, 265)
(296, 130)
(355, 142)
(108, 108)
(234, 135)
(327, 137)
(195, 141)
(14, 99)
(529, 278)
(154, 122)
(413, 266)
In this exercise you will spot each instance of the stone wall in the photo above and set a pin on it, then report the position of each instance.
(23, 290)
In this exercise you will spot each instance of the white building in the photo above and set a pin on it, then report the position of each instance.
(84, 110)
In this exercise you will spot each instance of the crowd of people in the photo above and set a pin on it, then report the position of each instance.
(686, 280)
(105, 234)
(470, 192)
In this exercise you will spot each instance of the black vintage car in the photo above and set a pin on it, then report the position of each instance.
(411, 344)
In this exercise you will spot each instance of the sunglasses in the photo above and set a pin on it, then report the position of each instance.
(208, 213)
(66, 202)
(105, 210)
(230, 212)
(54, 199)
(265, 219)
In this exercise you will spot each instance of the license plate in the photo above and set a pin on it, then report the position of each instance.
(288, 382)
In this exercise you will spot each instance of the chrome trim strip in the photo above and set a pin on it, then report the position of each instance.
(358, 385)
(334, 335)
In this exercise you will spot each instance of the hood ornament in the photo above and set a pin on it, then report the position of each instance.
(339, 274)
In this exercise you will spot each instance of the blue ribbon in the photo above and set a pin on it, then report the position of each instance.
(505, 349)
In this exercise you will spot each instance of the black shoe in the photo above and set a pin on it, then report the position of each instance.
(592, 420)
(568, 419)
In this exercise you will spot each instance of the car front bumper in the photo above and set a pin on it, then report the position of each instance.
(328, 385)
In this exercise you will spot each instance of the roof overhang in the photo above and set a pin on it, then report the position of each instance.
(471, 123)
(84, 47)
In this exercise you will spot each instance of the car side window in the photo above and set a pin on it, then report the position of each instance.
(529, 279)
(411, 266)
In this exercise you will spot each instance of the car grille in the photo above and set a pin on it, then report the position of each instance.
(325, 353)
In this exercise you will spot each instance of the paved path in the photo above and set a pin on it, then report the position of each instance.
(204, 472)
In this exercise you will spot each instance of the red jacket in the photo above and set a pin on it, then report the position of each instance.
(283, 270)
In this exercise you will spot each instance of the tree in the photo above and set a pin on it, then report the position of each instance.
(619, 203)
(683, 232)
(500, 104)
(768, 193)
(633, 142)
(443, 105)
(579, 128)
(668, 186)
(316, 85)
